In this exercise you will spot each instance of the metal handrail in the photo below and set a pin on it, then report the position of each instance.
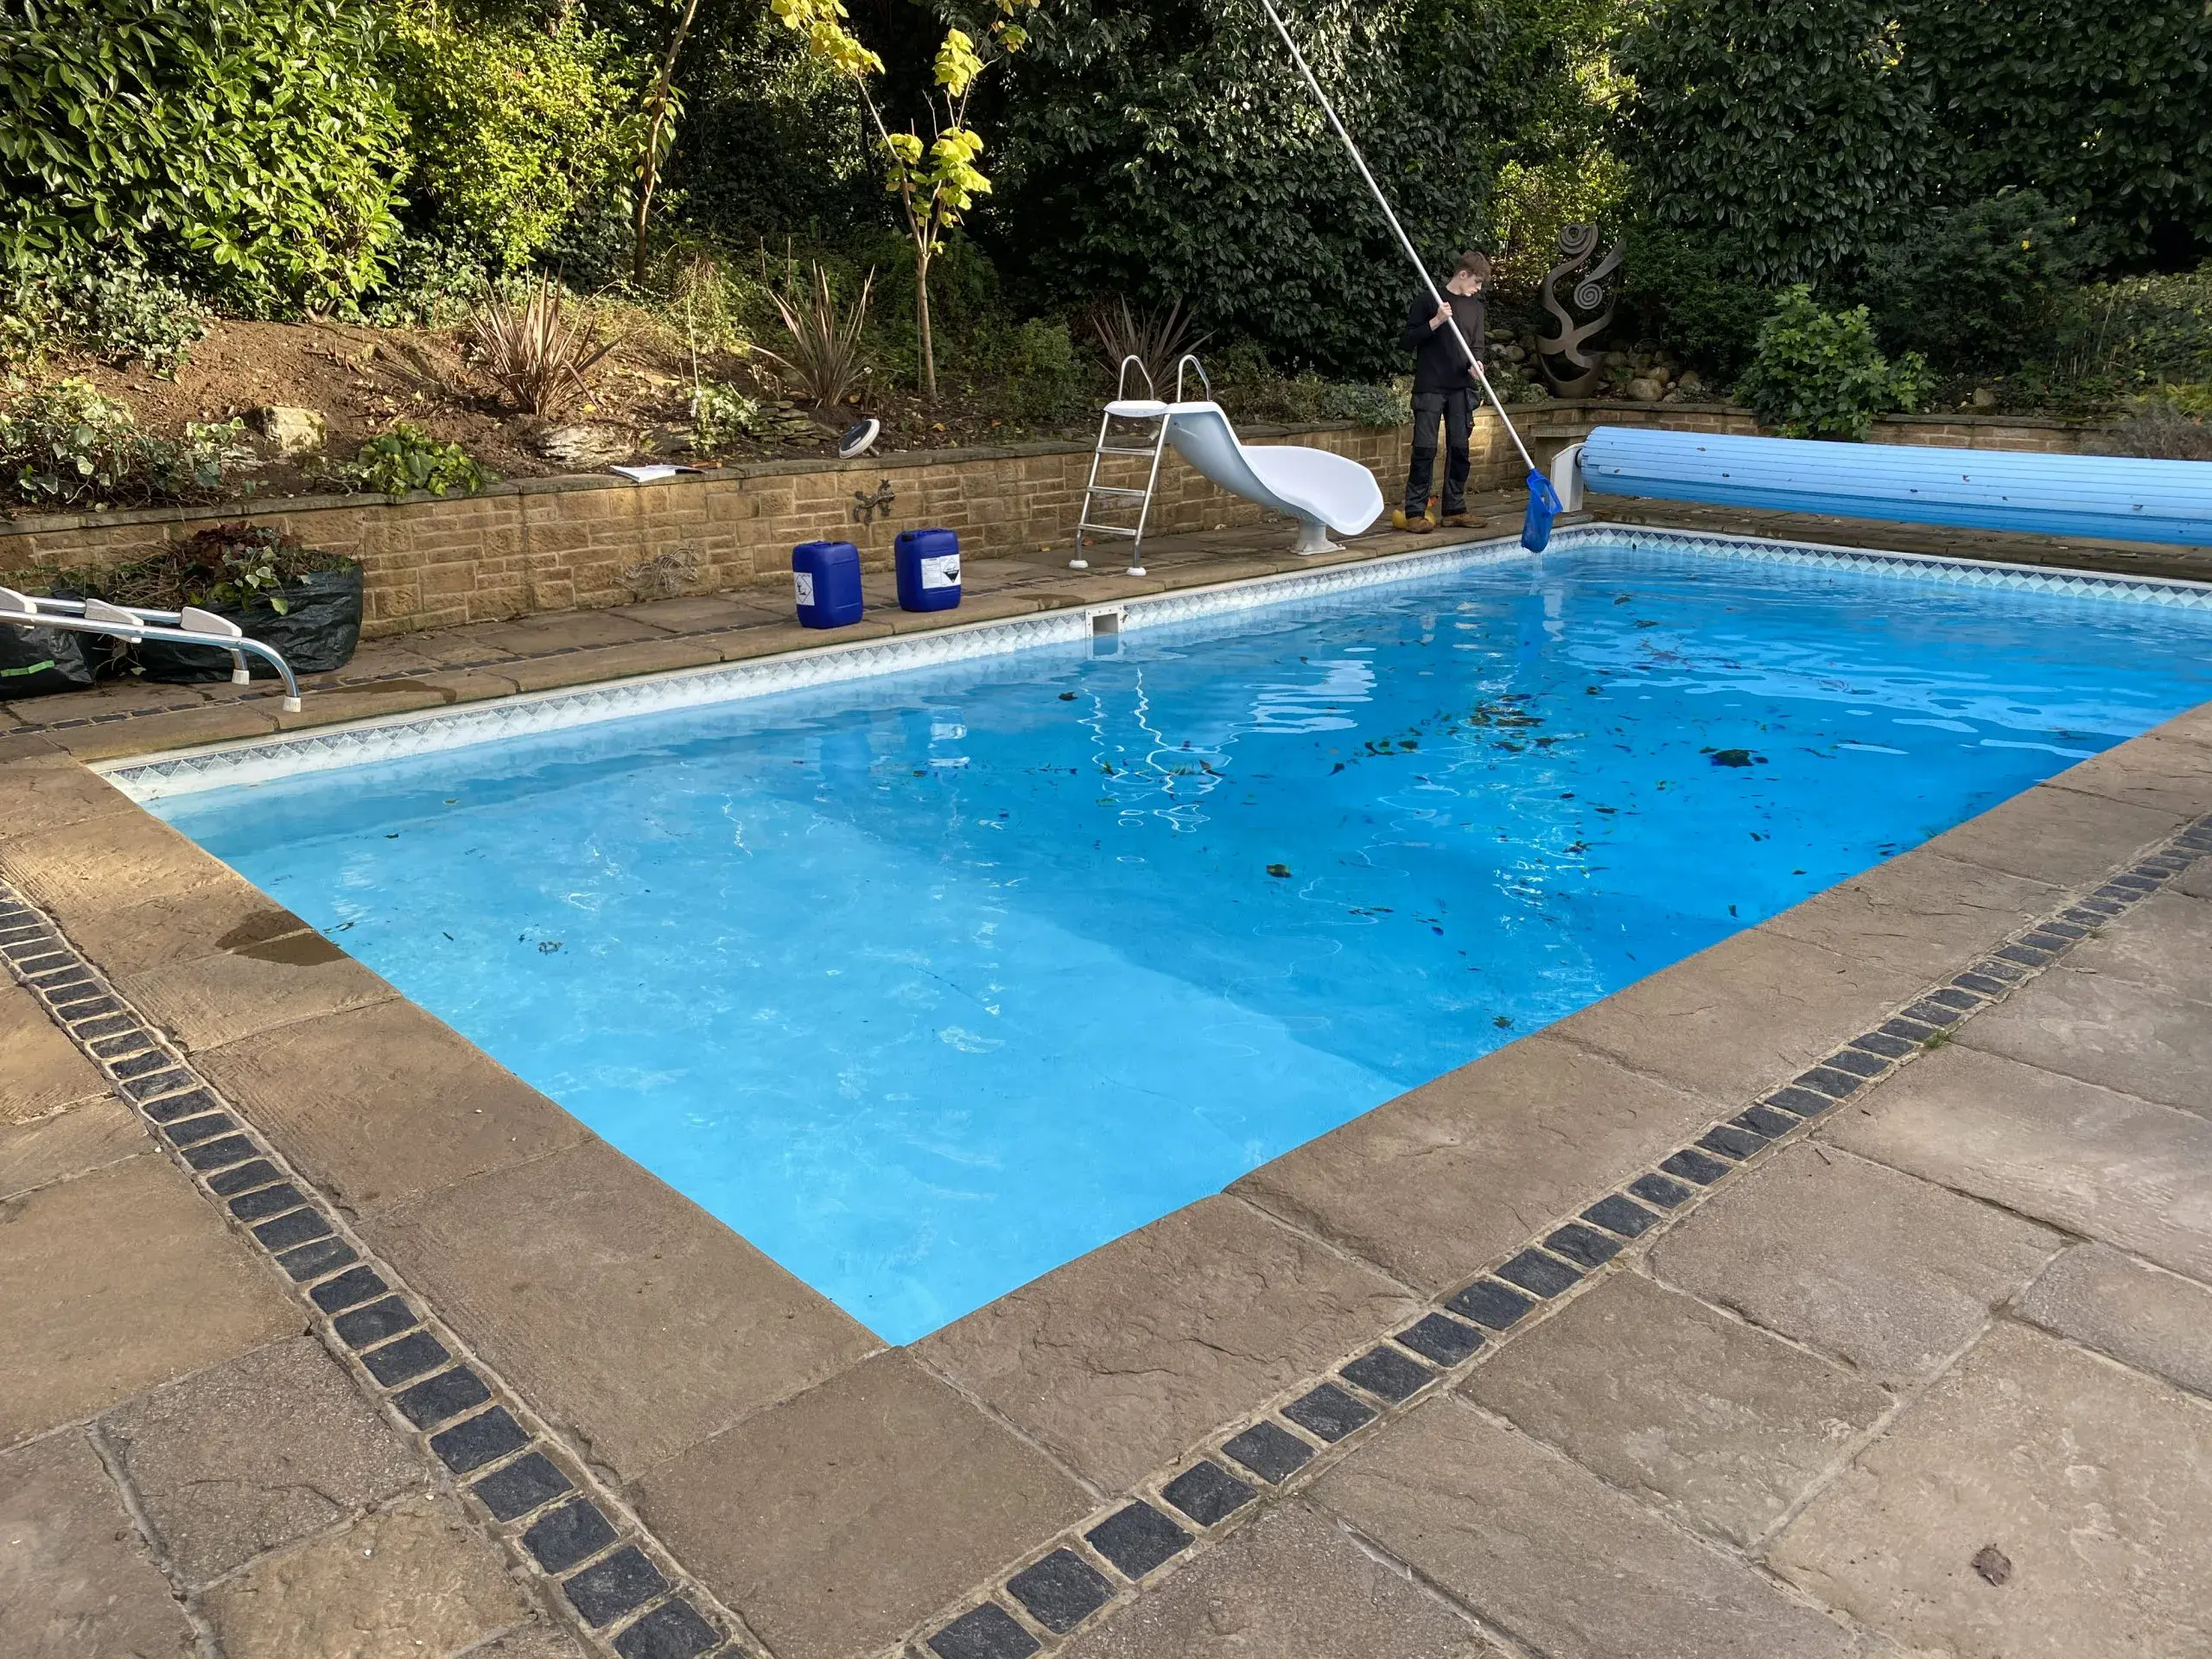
(1191, 358)
(130, 622)
(1121, 384)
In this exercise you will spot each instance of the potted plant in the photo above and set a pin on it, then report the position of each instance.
(305, 604)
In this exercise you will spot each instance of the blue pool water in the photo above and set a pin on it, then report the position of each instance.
(928, 984)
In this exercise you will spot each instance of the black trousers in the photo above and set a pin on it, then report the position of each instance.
(1457, 411)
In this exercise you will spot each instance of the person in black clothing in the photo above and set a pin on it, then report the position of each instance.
(1444, 389)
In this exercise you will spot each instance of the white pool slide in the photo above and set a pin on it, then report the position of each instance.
(1323, 491)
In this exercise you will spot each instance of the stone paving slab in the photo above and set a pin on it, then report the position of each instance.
(1292, 1586)
(253, 1454)
(221, 722)
(115, 1281)
(44, 790)
(41, 1070)
(76, 1580)
(2097, 1162)
(439, 689)
(90, 1135)
(409, 1579)
(109, 863)
(2061, 836)
(1122, 1358)
(2167, 945)
(2170, 774)
(650, 656)
(529, 635)
(531, 1642)
(1920, 914)
(862, 1500)
(209, 1001)
(2142, 1039)
(1713, 1421)
(382, 1104)
(1562, 1563)
(2155, 1321)
(632, 1318)
(1888, 1274)
(2090, 1485)
(1734, 1021)
(129, 932)
(1446, 1179)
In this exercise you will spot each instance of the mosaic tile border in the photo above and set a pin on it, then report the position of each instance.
(1106, 1560)
(397, 736)
(1923, 566)
(621, 1589)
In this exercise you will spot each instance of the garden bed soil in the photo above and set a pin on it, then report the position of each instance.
(361, 379)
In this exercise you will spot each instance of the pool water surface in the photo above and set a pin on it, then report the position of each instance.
(928, 984)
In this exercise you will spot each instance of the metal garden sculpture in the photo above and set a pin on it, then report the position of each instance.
(1575, 375)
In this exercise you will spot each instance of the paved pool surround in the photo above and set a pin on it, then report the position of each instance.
(632, 1432)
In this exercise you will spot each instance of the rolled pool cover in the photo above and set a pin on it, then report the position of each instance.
(2115, 497)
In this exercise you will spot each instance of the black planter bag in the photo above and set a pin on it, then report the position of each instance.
(316, 635)
(35, 661)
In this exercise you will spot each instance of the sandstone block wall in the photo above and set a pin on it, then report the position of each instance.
(568, 544)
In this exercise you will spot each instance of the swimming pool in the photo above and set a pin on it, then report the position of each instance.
(929, 982)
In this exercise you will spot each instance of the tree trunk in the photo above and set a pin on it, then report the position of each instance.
(922, 321)
(649, 167)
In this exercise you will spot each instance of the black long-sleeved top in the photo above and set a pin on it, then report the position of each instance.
(1438, 364)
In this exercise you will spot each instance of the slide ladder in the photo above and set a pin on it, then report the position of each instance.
(1318, 489)
(1119, 499)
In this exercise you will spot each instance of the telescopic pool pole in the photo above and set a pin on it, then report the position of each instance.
(1537, 482)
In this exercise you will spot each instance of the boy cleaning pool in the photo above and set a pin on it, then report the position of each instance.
(1443, 390)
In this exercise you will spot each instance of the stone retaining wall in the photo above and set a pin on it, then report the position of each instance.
(582, 543)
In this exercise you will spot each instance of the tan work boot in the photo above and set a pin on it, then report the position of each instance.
(1421, 526)
(1458, 520)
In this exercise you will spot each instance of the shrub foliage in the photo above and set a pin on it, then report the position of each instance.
(1821, 374)
(248, 143)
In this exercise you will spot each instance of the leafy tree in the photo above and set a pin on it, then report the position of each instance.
(515, 128)
(1821, 374)
(1795, 132)
(252, 143)
(2100, 107)
(661, 105)
(938, 183)
(1166, 149)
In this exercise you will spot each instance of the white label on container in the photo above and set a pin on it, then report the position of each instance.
(941, 572)
(802, 581)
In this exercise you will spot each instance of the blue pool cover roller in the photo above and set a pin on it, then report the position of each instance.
(2112, 496)
(928, 562)
(826, 582)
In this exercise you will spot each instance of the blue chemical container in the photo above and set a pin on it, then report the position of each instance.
(928, 569)
(826, 580)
